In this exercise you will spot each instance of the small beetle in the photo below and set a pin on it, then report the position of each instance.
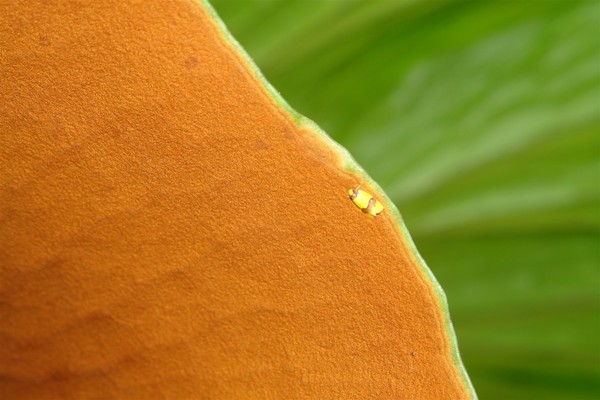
(365, 201)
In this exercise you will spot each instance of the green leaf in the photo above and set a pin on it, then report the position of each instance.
(481, 120)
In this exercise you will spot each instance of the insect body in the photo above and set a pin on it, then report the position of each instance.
(365, 201)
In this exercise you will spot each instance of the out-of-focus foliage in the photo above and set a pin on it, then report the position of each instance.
(481, 120)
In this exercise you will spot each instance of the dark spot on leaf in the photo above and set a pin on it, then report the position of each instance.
(191, 62)
(260, 145)
(288, 133)
(59, 375)
(53, 263)
(44, 41)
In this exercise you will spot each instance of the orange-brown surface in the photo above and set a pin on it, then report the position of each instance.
(167, 231)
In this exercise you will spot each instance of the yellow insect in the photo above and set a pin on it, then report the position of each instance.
(365, 201)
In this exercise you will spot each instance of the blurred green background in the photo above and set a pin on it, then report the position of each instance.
(481, 120)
